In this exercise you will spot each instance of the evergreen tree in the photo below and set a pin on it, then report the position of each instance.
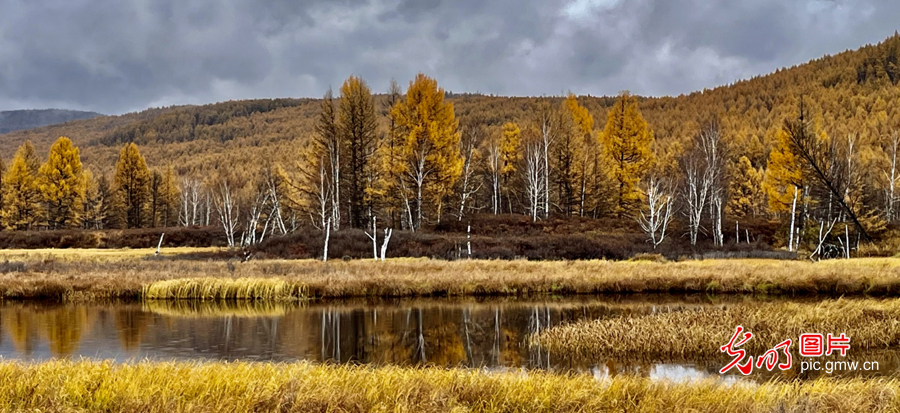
(169, 198)
(155, 198)
(357, 128)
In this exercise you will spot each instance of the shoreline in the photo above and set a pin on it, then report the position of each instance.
(90, 276)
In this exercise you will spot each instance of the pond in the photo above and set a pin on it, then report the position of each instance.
(490, 334)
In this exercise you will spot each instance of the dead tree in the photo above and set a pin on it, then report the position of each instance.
(821, 160)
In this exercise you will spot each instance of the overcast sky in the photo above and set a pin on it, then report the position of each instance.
(116, 56)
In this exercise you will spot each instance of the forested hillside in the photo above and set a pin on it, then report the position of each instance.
(807, 147)
(14, 120)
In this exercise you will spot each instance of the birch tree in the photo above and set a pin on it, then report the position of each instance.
(694, 193)
(227, 209)
(533, 178)
(891, 176)
(655, 219)
(191, 201)
(469, 184)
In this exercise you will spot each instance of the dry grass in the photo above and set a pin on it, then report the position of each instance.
(97, 254)
(697, 334)
(242, 387)
(91, 278)
(270, 289)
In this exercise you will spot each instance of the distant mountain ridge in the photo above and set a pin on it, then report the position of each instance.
(852, 93)
(16, 120)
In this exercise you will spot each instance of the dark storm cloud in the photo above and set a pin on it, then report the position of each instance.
(118, 56)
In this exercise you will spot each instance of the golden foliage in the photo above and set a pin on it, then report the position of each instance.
(627, 140)
(131, 187)
(427, 163)
(62, 185)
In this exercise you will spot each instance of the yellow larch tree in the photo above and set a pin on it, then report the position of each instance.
(62, 186)
(428, 162)
(22, 207)
(95, 203)
(510, 156)
(745, 190)
(627, 141)
(783, 175)
(170, 198)
(586, 155)
(131, 185)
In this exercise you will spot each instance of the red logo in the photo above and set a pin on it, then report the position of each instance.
(841, 343)
(812, 345)
(738, 354)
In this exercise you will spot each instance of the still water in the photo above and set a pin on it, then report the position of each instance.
(489, 334)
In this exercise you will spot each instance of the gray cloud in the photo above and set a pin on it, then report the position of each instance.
(120, 56)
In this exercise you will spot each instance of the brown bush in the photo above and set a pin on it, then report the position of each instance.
(116, 238)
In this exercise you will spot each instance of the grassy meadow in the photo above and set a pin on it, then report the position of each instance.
(135, 274)
(87, 274)
(302, 387)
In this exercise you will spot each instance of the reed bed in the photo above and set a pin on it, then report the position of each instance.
(218, 289)
(86, 279)
(238, 387)
(697, 334)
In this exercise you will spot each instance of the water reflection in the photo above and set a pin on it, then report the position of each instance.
(60, 327)
(487, 334)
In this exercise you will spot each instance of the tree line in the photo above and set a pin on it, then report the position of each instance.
(60, 194)
(412, 163)
(407, 160)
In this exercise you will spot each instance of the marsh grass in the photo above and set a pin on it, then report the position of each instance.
(219, 289)
(695, 334)
(90, 277)
(242, 387)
